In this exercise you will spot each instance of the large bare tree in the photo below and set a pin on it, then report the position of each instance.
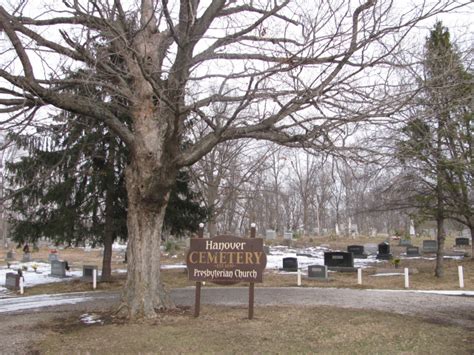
(299, 73)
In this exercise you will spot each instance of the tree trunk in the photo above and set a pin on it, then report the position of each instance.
(472, 241)
(148, 189)
(107, 258)
(439, 270)
(109, 228)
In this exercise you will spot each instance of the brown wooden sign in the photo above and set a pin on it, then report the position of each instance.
(226, 258)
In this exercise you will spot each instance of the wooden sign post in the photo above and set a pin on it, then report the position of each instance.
(252, 284)
(197, 296)
(226, 260)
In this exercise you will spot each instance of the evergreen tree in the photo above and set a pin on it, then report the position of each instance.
(70, 189)
(438, 140)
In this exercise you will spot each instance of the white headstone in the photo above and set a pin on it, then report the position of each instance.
(288, 235)
(270, 234)
(412, 228)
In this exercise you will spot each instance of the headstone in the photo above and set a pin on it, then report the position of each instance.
(371, 248)
(53, 256)
(87, 271)
(384, 251)
(465, 233)
(288, 235)
(318, 272)
(357, 250)
(26, 257)
(354, 230)
(12, 281)
(10, 256)
(413, 251)
(290, 264)
(404, 242)
(430, 246)
(462, 241)
(58, 268)
(412, 228)
(266, 249)
(338, 259)
(270, 234)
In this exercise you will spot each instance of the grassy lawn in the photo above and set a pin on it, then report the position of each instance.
(225, 330)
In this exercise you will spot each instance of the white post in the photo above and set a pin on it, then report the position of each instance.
(407, 281)
(21, 285)
(461, 277)
(359, 276)
(94, 279)
(299, 277)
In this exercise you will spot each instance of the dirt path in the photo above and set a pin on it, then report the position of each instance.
(21, 327)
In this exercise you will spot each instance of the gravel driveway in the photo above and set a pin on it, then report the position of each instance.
(19, 327)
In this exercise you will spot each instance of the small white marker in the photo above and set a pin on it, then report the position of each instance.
(94, 279)
(461, 276)
(407, 281)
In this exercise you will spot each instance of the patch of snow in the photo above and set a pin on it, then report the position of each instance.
(91, 319)
(31, 277)
(172, 266)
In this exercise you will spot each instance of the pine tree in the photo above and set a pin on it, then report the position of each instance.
(438, 140)
(70, 189)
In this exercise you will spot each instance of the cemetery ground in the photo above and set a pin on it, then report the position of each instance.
(219, 329)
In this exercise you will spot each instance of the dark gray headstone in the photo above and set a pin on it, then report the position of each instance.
(53, 256)
(290, 264)
(404, 242)
(26, 258)
(12, 281)
(266, 249)
(10, 256)
(58, 268)
(370, 248)
(462, 241)
(318, 272)
(430, 246)
(339, 259)
(384, 251)
(357, 250)
(413, 251)
(87, 271)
